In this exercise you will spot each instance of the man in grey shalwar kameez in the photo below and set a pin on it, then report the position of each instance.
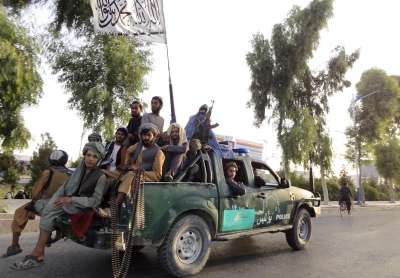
(84, 190)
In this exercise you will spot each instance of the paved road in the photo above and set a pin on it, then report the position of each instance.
(363, 245)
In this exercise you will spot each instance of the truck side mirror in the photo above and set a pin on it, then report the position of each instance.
(284, 183)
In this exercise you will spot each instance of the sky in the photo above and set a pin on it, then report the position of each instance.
(208, 42)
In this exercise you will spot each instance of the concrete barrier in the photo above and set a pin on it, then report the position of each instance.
(6, 220)
(10, 205)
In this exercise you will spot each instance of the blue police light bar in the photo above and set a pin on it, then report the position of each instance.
(241, 151)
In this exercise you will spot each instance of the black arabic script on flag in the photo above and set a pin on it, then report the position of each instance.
(148, 12)
(110, 11)
(144, 15)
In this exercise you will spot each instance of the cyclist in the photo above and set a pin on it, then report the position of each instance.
(345, 196)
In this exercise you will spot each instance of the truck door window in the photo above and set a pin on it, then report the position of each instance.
(241, 176)
(263, 176)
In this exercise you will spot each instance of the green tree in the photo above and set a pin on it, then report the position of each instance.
(73, 14)
(323, 157)
(20, 82)
(379, 95)
(375, 118)
(103, 75)
(9, 168)
(283, 81)
(387, 162)
(40, 158)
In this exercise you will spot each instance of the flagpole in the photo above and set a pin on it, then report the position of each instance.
(171, 91)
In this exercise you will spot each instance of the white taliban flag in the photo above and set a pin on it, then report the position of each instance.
(141, 18)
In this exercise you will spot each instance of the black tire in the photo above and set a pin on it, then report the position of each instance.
(300, 234)
(186, 248)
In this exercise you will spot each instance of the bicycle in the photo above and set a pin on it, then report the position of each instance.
(342, 208)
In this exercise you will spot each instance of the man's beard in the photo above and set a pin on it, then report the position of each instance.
(148, 143)
(156, 111)
(175, 140)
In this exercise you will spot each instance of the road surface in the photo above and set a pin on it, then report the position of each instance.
(365, 244)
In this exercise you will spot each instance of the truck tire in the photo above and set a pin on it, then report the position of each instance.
(186, 248)
(300, 234)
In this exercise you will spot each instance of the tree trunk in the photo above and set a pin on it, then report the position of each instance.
(324, 187)
(286, 168)
(109, 125)
(391, 192)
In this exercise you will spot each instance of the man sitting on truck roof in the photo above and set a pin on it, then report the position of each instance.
(175, 150)
(230, 173)
(146, 155)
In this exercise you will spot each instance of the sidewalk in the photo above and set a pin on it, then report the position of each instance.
(334, 204)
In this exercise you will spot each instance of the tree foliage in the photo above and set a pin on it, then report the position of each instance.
(283, 81)
(356, 147)
(387, 161)
(377, 115)
(323, 154)
(103, 75)
(20, 82)
(40, 158)
(9, 168)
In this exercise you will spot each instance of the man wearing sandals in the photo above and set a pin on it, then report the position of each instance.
(83, 191)
(43, 189)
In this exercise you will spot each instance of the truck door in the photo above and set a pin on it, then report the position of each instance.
(272, 203)
(236, 212)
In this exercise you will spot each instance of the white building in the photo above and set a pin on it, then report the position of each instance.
(255, 149)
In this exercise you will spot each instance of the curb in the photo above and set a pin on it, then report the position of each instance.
(388, 205)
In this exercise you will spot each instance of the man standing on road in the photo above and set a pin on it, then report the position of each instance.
(49, 181)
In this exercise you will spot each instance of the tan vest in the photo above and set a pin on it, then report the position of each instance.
(58, 179)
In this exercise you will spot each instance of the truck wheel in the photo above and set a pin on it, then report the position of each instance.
(300, 234)
(186, 248)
